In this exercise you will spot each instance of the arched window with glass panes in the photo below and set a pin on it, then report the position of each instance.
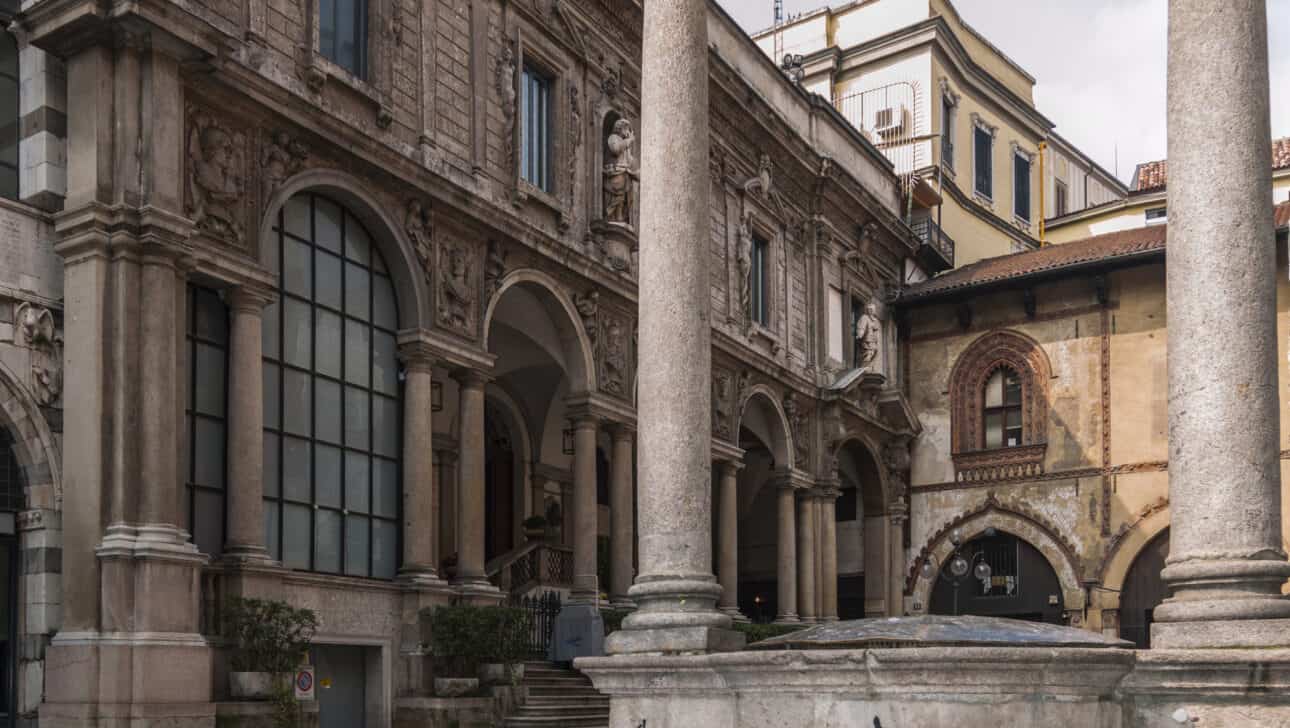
(331, 396)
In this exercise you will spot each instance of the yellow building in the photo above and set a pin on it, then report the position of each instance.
(1145, 203)
(948, 108)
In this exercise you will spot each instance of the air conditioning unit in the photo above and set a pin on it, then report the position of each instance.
(889, 121)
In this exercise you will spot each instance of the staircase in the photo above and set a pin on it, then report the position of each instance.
(558, 698)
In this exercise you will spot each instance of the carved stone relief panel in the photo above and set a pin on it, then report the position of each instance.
(217, 174)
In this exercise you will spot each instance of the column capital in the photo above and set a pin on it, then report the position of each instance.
(417, 356)
(249, 298)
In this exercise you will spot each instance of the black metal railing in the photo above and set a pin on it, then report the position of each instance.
(935, 238)
(542, 610)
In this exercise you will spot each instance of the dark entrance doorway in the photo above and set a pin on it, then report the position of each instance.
(1143, 591)
(1021, 585)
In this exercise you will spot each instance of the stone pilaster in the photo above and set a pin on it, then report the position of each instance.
(622, 506)
(786, 554)
(728, 536)
(675, 590)
(1226, 564)
(246, 426)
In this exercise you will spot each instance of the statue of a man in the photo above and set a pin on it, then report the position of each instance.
(620, 163)
(868, 331)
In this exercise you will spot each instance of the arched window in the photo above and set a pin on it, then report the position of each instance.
(331, 397)
(1002, 409)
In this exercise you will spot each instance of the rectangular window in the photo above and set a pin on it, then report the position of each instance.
(8, 112)
(983, 162)
(536, 124)
(1060, 195)
(759, 285)
(1157, 215)
(947, 132)
(836, 327)
(1021, 186)
(342, 34)
(205, 417)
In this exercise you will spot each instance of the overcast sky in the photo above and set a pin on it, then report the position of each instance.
(1099, 65)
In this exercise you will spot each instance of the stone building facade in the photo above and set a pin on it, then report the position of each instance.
(343, 298)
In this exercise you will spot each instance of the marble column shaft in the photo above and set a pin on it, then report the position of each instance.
(246, 425)
(728, 536)
(786, 555)
(622, 513)
(470, 478)
(586, 586)
(806, 557)
(420, 516)
(1226, 562)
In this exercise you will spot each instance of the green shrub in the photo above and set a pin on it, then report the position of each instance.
(267, 635)
(759, 632)
(464, 637)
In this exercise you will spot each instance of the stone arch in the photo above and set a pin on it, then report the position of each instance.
(33, 442)
(579, 354)
(780, 434)
(990, 352)
(1033, 529)
(1125, 547)
(387, 234)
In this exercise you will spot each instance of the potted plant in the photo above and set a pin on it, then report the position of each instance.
(534, 527)
(269, 640)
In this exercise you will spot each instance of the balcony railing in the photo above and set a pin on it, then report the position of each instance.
(937, 250)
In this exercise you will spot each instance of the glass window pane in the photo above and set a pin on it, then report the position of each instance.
(272, 392)
(211, 316)
(209, 384)
(358, 292)
(358, 246)
(327, 476)
(385, 426)
(994, 429)
(296, 529)
(327, 218)
(327, 410)
(994, 390)
(357, 419)
(357, 472)
(296, 215)
(270, 331)
(327, 541)
(271, 466)
(297, 276)
(357, 545)
(295, 469)
(385, 487)
(328, 361)
(328, 289)
(297, 334)
(297, 412)
(385, 363)
(208, 526)
(208, 460)
(358, 352)
(384, 313)
(385, 545)
(271, 532)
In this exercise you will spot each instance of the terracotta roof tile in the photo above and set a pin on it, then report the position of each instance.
(1111, 247)
(1154, 175)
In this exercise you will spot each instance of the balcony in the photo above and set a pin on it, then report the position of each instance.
(937, 251)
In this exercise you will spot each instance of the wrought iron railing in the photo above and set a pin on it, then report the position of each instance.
(933, 236)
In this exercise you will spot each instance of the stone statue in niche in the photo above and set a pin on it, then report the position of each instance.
(458, 298)
(615, 379)
(588, 305)
(494, 267)
(744, 258)
(722, 402)
(281, 158)
(34, 329)
(619, 172)
(216, 187)
(868, 331)
(416, 221)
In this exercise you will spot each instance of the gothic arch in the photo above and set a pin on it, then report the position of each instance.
(579, 354)
(387, 234)
(33, 443)
(781, 437)
(990, 352)
(1031, 528)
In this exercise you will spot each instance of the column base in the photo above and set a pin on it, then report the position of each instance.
(674, 641)
(1221, 634)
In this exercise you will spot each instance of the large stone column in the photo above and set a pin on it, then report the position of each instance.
(246, 426)
(829, 556)
(806, 557)
(470, 482)
(728, 536)
(420, 516)
(675, 590)
(1226, 564)
(622, 518)
(786, 555)
(586, 584)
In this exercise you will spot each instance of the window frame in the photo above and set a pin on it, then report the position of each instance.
(193, 341)
(279, 432)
